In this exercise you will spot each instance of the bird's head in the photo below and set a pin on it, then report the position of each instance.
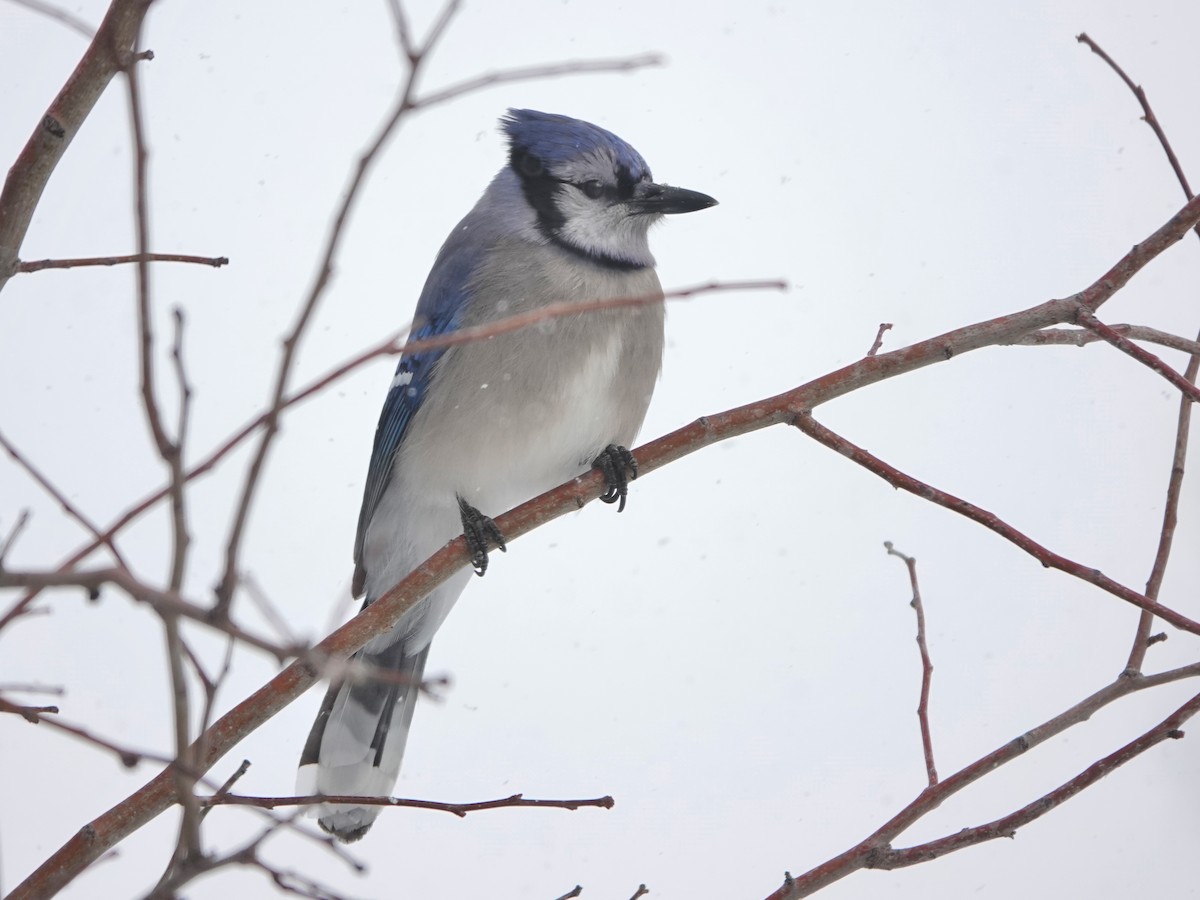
(592, 193)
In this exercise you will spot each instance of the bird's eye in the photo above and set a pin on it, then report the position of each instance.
(592, 189)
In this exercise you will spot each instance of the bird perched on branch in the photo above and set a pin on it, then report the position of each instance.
(483, 426)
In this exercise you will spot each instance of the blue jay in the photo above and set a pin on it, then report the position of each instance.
(488, 425)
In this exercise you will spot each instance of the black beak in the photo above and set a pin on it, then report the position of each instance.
(662, 199)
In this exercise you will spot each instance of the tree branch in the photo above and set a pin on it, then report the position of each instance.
(457, 809)
(926, 663)
(38, 265)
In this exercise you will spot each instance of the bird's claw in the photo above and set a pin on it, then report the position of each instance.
(619, 468)
(479, 531)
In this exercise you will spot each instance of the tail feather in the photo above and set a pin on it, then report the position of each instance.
(357, 742)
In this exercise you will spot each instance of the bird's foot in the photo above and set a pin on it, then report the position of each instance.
(479, 530)
(619, 468)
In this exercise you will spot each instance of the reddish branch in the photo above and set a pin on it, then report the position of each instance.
(1147, 113)
(458, 809)
(158, 795)
(926, 663)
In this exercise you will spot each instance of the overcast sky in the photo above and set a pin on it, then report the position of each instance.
(732, 658)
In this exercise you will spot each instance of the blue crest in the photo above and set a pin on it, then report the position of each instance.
(556, 140)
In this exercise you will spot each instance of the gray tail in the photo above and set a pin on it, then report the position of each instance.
(357, 742)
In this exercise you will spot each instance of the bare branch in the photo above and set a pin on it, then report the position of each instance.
(60, 498)
(16, 687)
(926, 663)
(1148, 115)
(30, 714)
(129, 758)
(878, 342)
(457, 809)
(1079, 337)
(38, 265)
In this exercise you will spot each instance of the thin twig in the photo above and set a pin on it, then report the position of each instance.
(878, 342)
(37, 265)
(1079, 337)
(60, 498)
(1148, 115)
(926, 663)
(171, 452)
(457, 809)
(225, 788)
(18, 687)
(270, 612)
(13, 533)
(30, 714)
(128, 757)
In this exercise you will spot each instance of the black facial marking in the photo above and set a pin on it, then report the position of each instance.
(541, 189)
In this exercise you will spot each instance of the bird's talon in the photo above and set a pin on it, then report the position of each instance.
(479, 530)
(619, 468)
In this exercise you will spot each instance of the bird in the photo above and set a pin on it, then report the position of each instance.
(483, 426)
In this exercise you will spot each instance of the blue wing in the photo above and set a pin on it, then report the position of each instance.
(439, 311)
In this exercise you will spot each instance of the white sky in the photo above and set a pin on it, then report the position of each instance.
(732, 658)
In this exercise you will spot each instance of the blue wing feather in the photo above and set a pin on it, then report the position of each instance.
(439, 311)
